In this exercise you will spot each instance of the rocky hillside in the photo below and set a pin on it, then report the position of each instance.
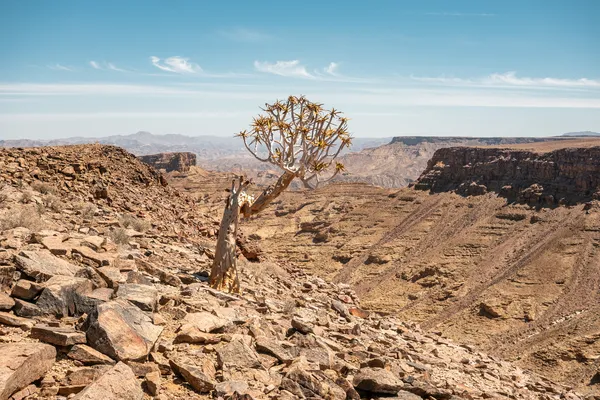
(103, 296)
(563, 176)
(170, 162)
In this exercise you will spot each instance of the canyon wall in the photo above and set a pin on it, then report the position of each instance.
(180, 162)
(564, 176)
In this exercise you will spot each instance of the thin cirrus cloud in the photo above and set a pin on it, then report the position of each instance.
(245, 35)
(359, 97)
(176, 64)
(292, 69)
(513, 80)
(60, 67)
(106, 66)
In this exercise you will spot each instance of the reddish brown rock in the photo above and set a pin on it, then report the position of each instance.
(6, 302)
(26, 290)
(119, 383)
(43, 265)
(23, 363)
(122, 331)
(58, 336)
(61, 295)
(88, 356)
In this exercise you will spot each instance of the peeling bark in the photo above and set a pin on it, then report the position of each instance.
(223, 274)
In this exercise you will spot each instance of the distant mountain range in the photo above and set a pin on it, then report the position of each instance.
(143, 143)
(389, 162)
(581, 134)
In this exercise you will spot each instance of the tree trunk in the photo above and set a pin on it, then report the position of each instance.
(224, 274)
(269, 194)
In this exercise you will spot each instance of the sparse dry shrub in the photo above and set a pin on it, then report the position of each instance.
(289, 306)
(119, 236)
(40, 208)
(53, 202)
(44, 188)
(87, 210)
(135, 223)
(24, 217)
(26, 197)
(3, 198)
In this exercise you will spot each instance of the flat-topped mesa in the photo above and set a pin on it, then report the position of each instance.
(459, 140)
(181, 161)
(564, 176)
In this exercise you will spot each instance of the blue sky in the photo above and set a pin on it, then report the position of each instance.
(477, 68)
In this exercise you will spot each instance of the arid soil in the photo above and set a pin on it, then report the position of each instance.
(103, 295)
(519, 281)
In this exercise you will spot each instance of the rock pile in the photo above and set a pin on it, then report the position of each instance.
(98, 306)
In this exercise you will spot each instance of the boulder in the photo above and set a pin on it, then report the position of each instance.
(26, 290)
(88, 302)
(271, 347)
(26, 309)
(119, 383)
(6, 302)
(122, 331)
(304, 384)
(62, 295)
(58, 336)
(143, 296)
(112, 276)
(302, 326)
(237, 354)
(228, 388)
(12, 320)
(23, 363)
(196, 326)
(200, 373)
(377, 380)
(43, 265)
(88, 356)
(152, 383)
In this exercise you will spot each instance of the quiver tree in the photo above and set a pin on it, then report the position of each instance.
(303, 140)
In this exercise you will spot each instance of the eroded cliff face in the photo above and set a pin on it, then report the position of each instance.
(564, 176)
(181, 161)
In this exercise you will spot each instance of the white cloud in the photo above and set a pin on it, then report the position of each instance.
(332, 68)
(245, 35)
(511, 79)
(176, 64)
(95, 65)
(59, 67)
(283, 68)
